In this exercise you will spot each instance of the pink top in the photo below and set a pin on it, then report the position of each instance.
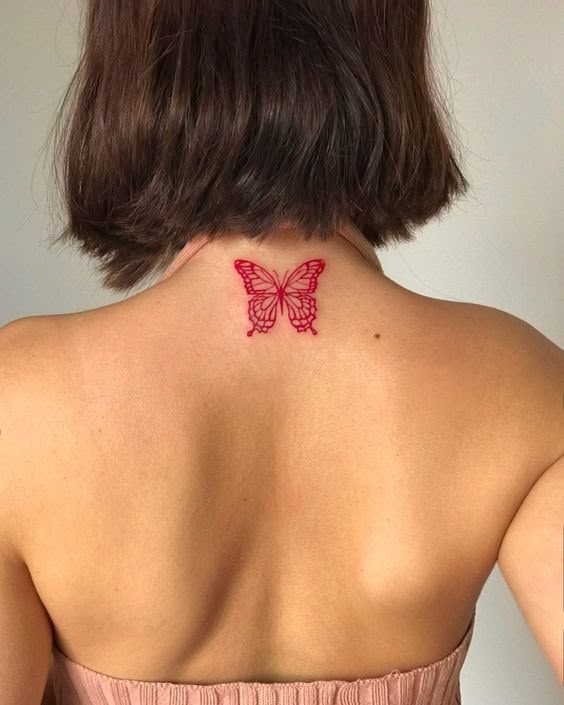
(435, 684)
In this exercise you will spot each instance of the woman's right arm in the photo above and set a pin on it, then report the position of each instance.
(531, 555)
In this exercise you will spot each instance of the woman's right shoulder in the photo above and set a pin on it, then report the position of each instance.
(514, 340)
(523, 367)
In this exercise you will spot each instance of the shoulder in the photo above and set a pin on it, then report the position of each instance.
(490, 333)
(31, 353)
(506, 373)
(516, 345)
(25, 356)
(495, 334)
(523, 371)
(39, 350)
(39, 357)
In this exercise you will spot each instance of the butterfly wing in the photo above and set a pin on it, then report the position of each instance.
(263, 290)
(297, 290)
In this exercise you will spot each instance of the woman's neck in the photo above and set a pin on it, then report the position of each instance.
(286, 240)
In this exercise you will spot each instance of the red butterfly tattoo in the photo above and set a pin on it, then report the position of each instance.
(267, 292)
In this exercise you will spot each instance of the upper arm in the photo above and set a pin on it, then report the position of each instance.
(25, 633)
(531, 554)
(25, 627)
(531, 560)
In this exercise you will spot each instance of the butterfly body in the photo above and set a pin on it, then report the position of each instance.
(268, 294)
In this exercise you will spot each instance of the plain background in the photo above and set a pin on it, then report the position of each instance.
(501, 67)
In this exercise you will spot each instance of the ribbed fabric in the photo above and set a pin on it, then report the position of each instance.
(435, 684)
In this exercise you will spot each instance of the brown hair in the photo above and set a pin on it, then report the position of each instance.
(186, 116)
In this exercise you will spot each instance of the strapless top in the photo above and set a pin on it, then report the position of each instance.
(435, 684)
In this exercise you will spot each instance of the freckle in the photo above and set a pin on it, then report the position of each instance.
(376, 335)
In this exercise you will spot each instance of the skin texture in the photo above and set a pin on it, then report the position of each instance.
(196, 507)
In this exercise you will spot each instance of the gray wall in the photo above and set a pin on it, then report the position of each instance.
(501, 63)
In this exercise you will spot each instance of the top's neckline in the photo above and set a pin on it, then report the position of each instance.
(277, 685)
(349, 232)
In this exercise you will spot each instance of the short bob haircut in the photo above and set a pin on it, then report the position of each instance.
(189, 116)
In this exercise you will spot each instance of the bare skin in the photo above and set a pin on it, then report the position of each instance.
(203, 507)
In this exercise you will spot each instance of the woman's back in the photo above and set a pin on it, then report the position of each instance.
(203, 506)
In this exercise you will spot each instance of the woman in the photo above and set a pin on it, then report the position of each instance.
(274, 473)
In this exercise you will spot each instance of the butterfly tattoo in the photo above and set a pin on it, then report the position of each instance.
(267, 293)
